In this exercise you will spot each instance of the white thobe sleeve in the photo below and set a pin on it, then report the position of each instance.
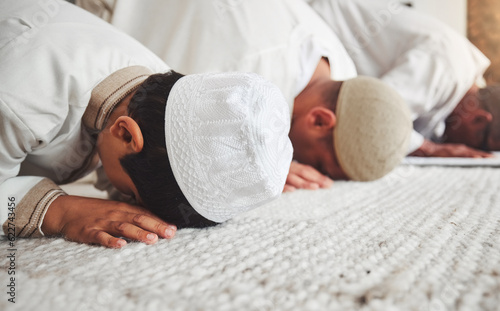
(24, 200)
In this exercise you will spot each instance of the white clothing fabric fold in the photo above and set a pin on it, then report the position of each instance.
(267, 37)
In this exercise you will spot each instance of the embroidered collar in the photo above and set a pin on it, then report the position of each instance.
(109, 92)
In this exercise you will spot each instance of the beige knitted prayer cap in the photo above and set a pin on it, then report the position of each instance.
(373, 128)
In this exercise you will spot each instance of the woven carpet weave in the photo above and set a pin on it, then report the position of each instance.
(422, 238)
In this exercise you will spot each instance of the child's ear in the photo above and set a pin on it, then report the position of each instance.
(128, 131)
(321, 118)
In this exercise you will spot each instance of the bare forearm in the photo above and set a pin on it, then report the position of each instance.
(431, 149)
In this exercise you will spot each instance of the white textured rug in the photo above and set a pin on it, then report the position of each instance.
(423, 238)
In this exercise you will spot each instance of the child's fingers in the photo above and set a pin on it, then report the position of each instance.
(299, 182)
(153, 225)
(289, 188)
(148, 221)
(311, 174)
(105, 239)
(130, 231)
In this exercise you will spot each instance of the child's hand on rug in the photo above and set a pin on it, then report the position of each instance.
(303, 176)
(96, 221)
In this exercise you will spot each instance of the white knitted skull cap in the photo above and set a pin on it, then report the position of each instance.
(373, 128)
(227, 142)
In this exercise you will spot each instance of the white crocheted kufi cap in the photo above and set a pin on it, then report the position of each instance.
(373, 128)
(227, 141)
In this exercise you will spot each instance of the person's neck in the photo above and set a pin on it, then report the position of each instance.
(467, 102)
(469, 98)
(321, 74)
(322, 71)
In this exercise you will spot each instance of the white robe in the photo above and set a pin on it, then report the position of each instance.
(268, 37)
(52, 56)
(427, 62)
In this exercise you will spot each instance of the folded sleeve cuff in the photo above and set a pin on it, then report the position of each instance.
(31, 209)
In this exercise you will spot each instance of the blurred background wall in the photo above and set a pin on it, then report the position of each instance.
(483, 29)
(452, 12)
